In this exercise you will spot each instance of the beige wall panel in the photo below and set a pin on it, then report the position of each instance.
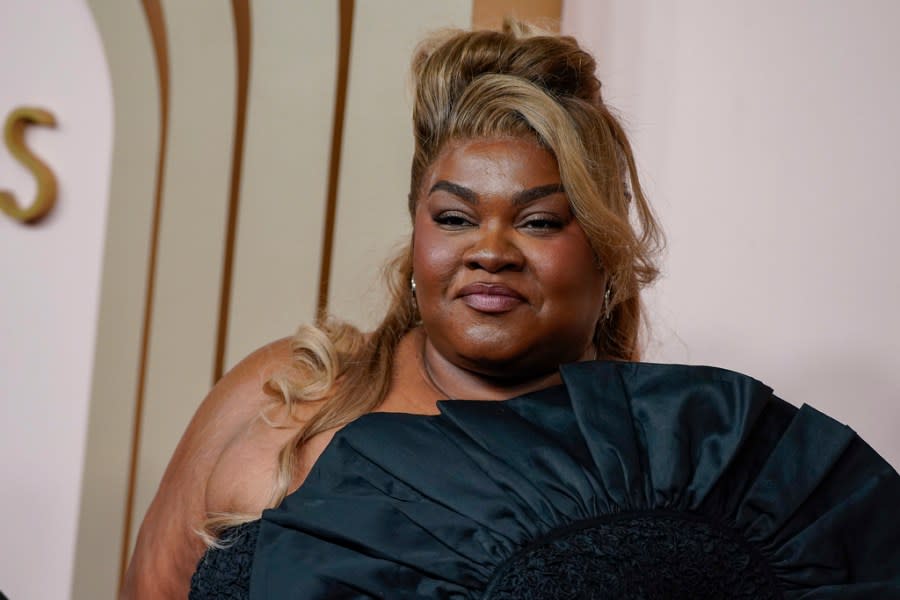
(195, 200)
(129, 54)
(371, 212)
(285, 174)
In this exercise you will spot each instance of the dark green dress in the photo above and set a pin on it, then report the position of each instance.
(630, 480)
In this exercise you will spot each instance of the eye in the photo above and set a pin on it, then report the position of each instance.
(452, 220)
(543, 223)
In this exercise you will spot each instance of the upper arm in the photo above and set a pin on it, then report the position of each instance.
(167, 548)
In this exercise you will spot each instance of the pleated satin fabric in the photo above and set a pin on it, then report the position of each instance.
(408, 506)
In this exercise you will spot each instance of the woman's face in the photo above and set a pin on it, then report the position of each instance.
(506, 280)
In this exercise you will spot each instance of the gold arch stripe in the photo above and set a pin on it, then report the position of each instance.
(156, 23)
(345, 28)
(242, 26)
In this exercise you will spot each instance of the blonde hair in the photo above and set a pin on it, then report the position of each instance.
(515, 82)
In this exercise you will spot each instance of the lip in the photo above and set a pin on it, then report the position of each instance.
(490, 297)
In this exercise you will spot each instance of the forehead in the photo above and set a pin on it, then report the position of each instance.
(488, 165)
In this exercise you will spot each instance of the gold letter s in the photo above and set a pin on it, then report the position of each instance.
(14, 134)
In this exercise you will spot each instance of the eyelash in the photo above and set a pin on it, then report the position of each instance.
(452, 220)
(459, 221)
(544, 224)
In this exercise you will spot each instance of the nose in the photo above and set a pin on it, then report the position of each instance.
(494, 250)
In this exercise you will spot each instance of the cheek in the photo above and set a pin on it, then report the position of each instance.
(569, 273)
(434, 260)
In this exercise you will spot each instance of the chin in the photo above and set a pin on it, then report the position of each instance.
(499, 352)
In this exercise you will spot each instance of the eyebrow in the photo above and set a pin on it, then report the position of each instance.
(518, 199)
(535, 193)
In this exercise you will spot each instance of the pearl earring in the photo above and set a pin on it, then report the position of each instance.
(605, 304)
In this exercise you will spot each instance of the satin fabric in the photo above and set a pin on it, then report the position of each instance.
(408, 506)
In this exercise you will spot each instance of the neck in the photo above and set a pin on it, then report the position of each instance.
(455, 382)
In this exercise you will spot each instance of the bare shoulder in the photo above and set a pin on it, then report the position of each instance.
(244, 474)
(168, 548)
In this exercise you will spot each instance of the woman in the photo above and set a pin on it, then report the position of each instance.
(531, 242)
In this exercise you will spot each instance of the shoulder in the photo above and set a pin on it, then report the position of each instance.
(233, 405)
(168, 548)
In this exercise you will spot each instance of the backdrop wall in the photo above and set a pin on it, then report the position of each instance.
(52, 58)
(766, 136)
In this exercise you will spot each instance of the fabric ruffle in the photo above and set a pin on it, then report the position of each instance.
(649, 474)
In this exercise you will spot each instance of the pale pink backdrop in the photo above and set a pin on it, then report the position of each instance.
(766, 134)
(51, 56)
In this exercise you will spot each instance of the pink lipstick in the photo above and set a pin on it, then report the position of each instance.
(490, 297)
